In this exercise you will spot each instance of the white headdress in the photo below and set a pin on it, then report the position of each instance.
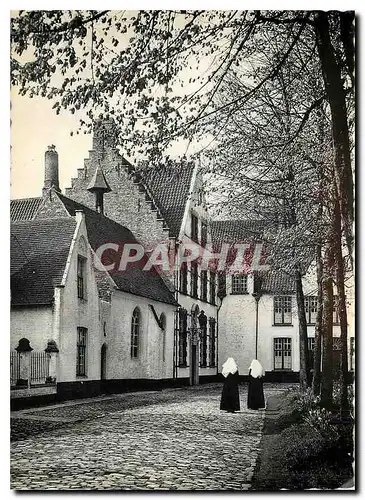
(229, 367)
(256, 369)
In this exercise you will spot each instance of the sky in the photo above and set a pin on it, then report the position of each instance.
(35, 126)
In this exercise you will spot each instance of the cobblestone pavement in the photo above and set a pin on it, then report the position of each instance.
(167, 440)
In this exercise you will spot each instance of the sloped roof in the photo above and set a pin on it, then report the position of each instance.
(39, 251)
(278, 282)
(24, 208)
(170, 189)
(101, 230)
(231, 231)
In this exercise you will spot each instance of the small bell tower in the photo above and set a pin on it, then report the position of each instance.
(99, 185)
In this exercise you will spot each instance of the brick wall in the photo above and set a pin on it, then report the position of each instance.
(126, 203)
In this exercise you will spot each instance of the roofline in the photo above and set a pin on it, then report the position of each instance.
(28, 198)
(70, 251)
(174, 304)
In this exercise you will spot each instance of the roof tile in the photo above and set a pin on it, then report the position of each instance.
(170, 189)
(39, 251)
(24, 208)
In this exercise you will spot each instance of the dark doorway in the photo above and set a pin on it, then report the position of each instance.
(195, 374)
(103, 362)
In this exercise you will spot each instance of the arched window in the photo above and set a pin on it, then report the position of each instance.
(135, 331)
(163, 328)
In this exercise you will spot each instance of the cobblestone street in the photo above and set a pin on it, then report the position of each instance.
(167, 440)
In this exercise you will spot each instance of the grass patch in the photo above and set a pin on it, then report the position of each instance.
(302, 446)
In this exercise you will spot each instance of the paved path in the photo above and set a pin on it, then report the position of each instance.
(168, 440)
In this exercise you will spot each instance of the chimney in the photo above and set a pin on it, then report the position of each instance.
(51, 170)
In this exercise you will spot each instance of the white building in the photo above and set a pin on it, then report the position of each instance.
(105, 331)
(266, 325)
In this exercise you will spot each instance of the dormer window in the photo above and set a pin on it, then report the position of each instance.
(81, 277)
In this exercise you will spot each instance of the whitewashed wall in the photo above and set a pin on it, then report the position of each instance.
(150, 363)
(33, 323)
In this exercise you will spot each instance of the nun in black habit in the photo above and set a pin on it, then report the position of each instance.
(230, 400)
(255, 399)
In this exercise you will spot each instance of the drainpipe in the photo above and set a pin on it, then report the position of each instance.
(217, 327)
(257, 299)
(176, 264)
(257, 294)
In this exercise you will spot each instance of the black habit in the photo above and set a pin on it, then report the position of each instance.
(230, 400)
(255, 399)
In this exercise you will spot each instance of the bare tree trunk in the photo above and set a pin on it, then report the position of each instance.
(342, 311)
(327, 362)
(316, 382)
(336, 97)
(303, 337)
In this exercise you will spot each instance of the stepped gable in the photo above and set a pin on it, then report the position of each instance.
(101, 230)
(130, 202)
(39, 251)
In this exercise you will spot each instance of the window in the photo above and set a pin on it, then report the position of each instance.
(282, 354)
(104, 329)
(282, 310)
(194, 279)
(239, 284)
(336, 319)
(311, 345)
(203, 238)
(183, 338)
(194, 228)
(203, 285)
(352, 353)
(311, 304)
(211, 342)
(135, 332)
(203, 346)
(212, 287)
(184, 278)
(81, 278)
(81, 352)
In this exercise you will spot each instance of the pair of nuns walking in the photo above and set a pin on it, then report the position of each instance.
(230, 400)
